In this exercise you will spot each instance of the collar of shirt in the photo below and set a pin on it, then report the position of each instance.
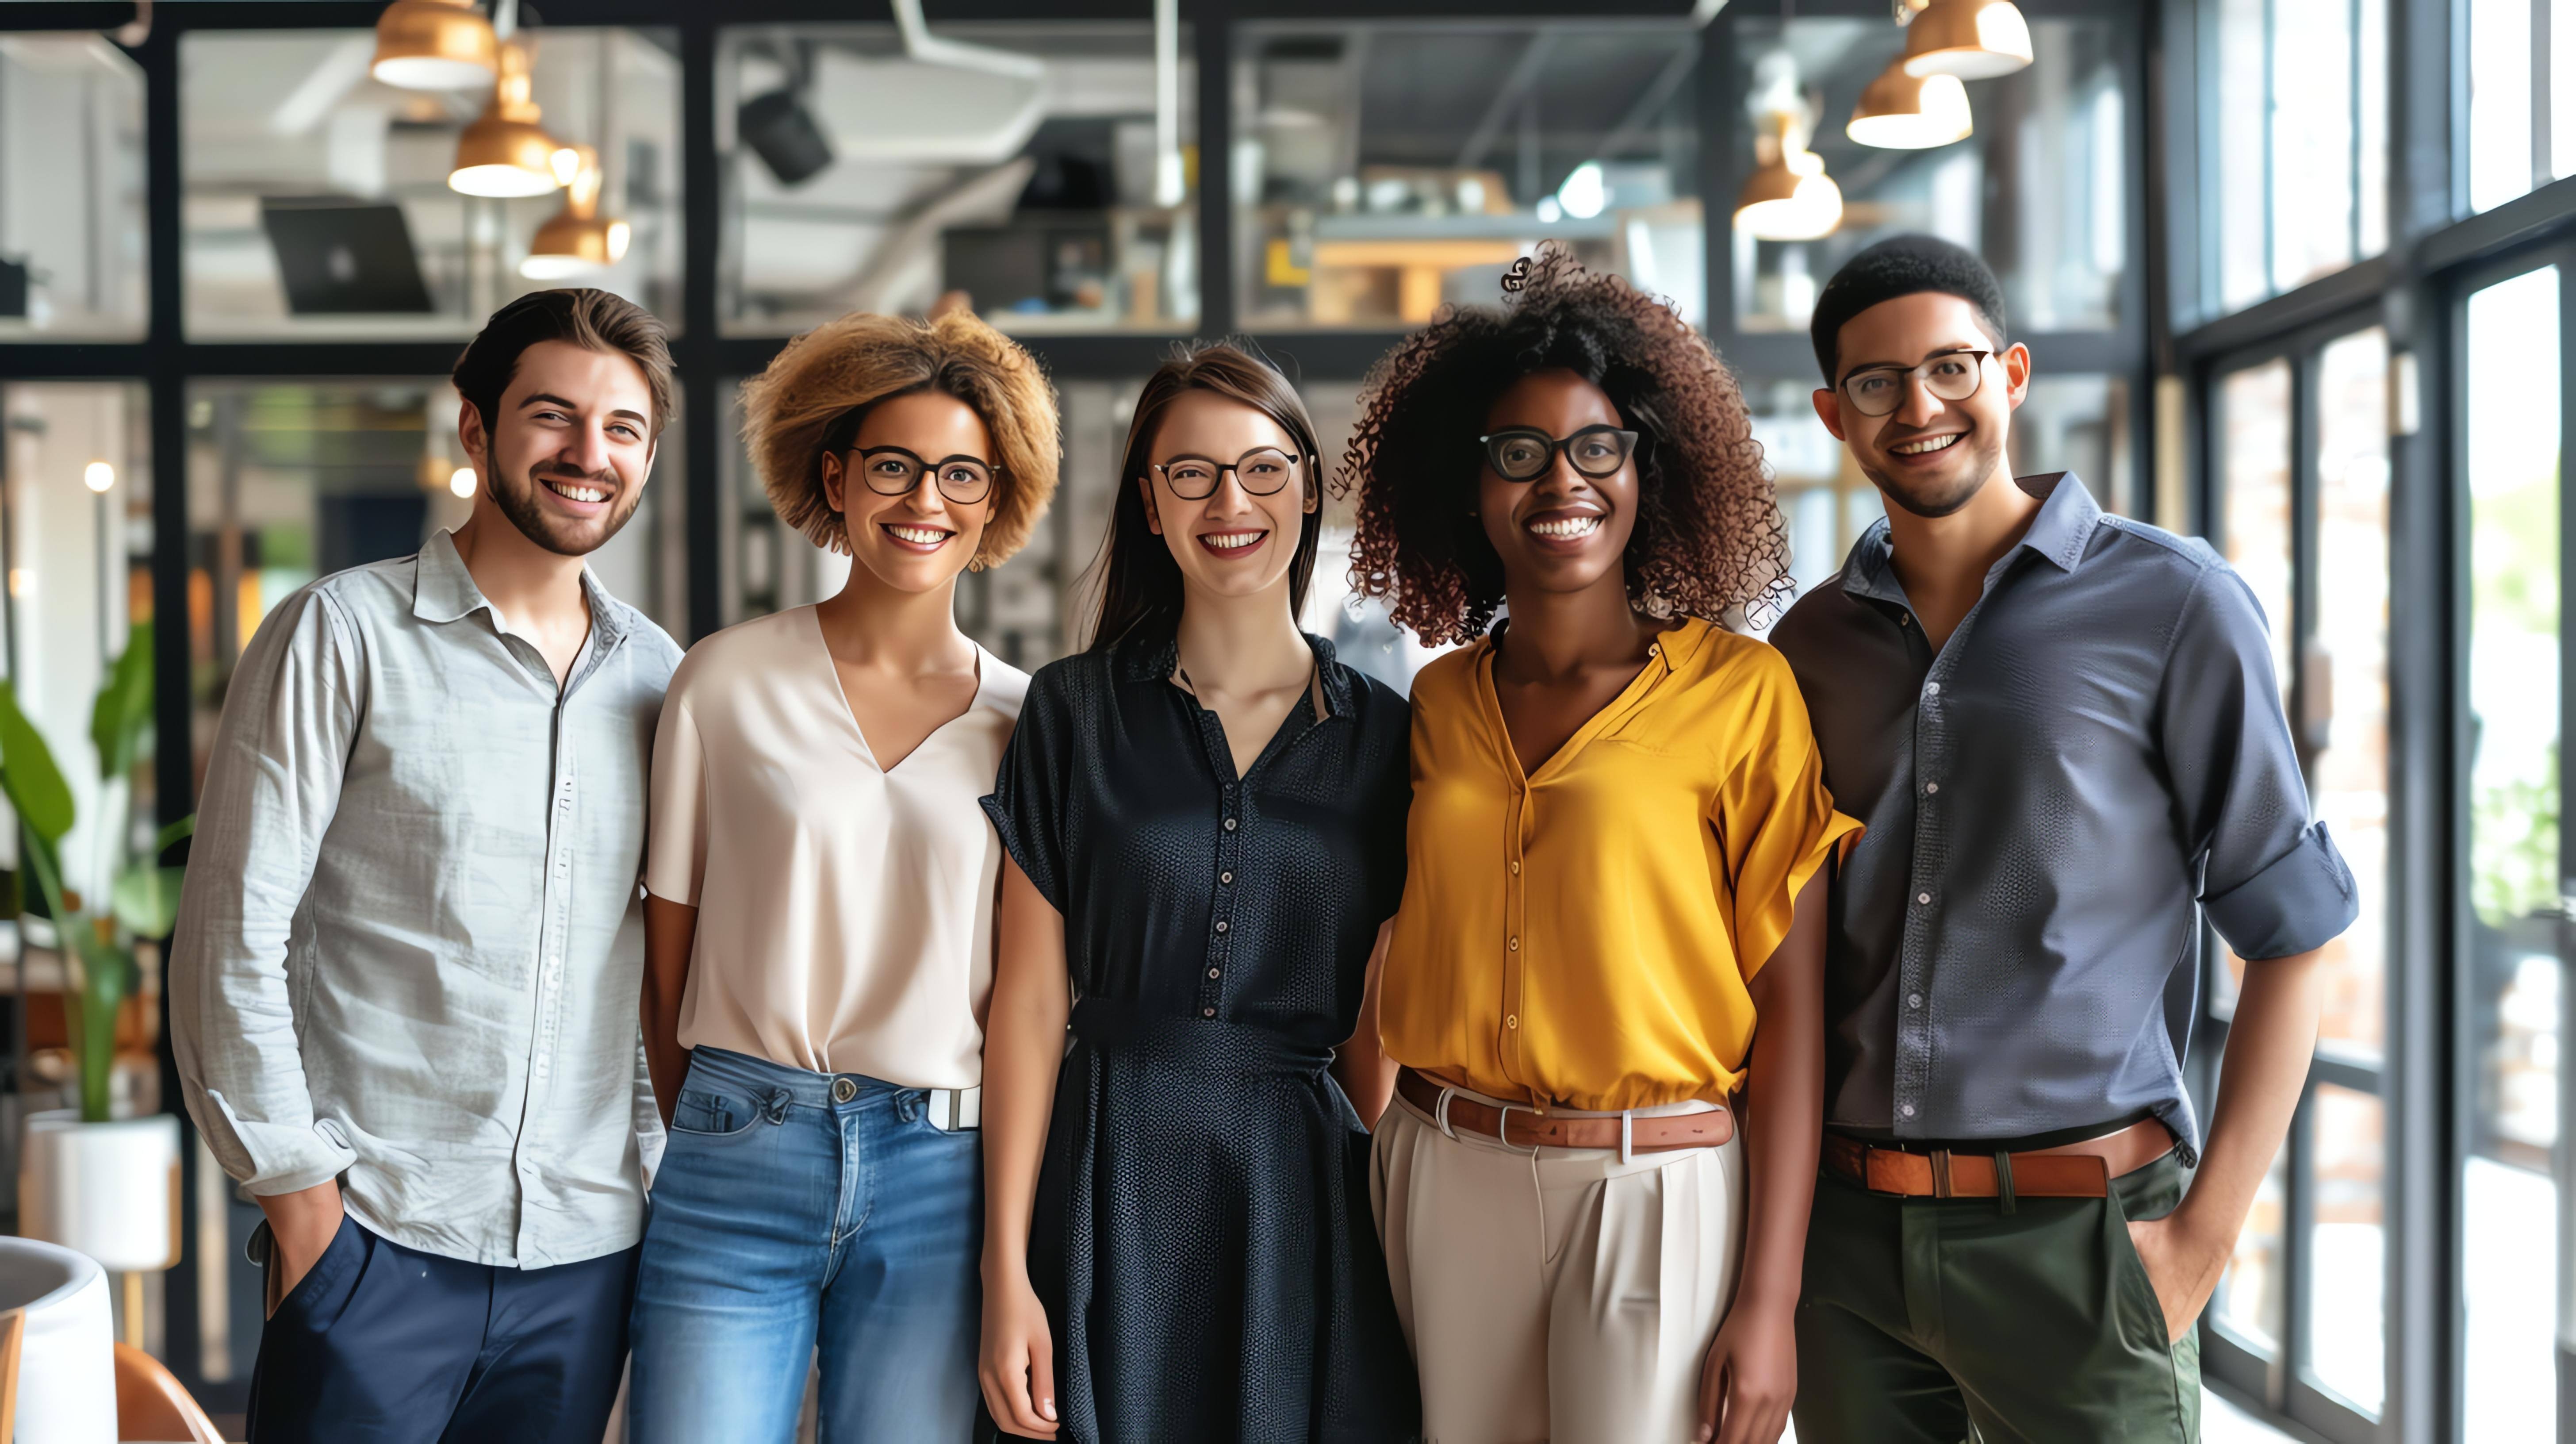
(443, 591)
(1149, 653)
(2062, 530)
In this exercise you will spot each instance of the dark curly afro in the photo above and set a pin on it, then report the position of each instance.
(1708, 537)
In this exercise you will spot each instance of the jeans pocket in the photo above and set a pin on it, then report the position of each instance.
(2129, 1274)
(318, 1279)
(701, 1113)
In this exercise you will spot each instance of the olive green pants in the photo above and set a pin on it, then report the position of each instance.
(1924, 1319)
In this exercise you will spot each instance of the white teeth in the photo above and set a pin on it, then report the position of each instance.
(1233, 541)
(1572, 526)
(919, 535)
(1927, 444)
(578, 493)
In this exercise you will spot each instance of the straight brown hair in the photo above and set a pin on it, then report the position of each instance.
(592, 319)
(1140, 583)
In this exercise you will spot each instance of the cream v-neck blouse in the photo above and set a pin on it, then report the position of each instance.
(845, 912)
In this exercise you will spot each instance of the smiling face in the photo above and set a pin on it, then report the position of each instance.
(1562, 531)
(1230, 543)
(921, 539)
(1929, 456)
(569, 448)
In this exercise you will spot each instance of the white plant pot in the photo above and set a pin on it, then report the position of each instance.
(109, 1190)
(66, 1364)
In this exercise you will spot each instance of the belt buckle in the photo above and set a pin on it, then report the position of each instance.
(1941, 1173)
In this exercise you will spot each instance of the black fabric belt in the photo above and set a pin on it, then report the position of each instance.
(1169, 1040)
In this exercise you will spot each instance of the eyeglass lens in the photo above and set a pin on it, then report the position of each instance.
(1260, 472)
(891, 471)
(1879, 390)
(1523, 454)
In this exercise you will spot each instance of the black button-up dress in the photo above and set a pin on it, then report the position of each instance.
(1202, 1238)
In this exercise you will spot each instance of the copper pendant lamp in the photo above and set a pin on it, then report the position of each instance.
(505, 152)
(1911, 112)
(435, 45)
(1971, 39)
(577, 240)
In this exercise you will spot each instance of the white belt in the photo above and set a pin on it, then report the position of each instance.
(952, 1109)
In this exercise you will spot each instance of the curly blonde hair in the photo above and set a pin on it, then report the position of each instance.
(811, 398)
(1709, 536)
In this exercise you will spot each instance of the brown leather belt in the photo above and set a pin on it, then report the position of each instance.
(1519, 1126)
(2074, 1170)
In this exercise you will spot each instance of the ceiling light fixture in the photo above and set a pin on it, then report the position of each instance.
(434, 45)
(1788, 197)
(505, 152)
(1971, 39)
(576, 240)
(1911, 112)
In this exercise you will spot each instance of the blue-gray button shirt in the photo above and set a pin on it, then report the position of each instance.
(2095, 760)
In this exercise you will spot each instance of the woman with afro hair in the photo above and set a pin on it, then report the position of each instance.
(819, 921)
(1593, 1184)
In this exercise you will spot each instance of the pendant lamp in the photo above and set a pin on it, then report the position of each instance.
(1911, 112)
(1788, 197)
(1971, 39)
(434, 45)
(505, 152)
(576, 241)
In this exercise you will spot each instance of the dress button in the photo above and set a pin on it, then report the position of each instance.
(1931, 689)
(1914, 1000)
(1923, 897)
(843, 1090)
(1229, 824)
(1212, 972)
(1225, 877)
(1907, 1110)
(1220, 927)
(1211, 1012)
(1931, 787)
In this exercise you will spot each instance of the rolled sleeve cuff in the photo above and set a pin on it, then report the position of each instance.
(2302, 900)
(268, 1159)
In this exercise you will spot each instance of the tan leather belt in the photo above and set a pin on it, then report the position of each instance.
(2074, 1170)
(1523, 1127)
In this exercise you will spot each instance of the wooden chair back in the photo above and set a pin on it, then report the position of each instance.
(151, 1403)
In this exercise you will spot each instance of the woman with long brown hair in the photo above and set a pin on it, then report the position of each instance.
(1205, 815)
(818, 929)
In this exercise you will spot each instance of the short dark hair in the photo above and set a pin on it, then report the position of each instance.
(1902, 266)
(593, 319)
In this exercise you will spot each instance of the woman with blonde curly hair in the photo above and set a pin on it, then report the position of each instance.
(820, 899)
(1614, 870)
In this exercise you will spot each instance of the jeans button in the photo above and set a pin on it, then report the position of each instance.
(843, 1090)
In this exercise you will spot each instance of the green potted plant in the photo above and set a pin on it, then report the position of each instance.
(88, 1180)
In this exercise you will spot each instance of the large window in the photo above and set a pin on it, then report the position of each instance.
(2040, 189)
(1387, 168)
(2302, 511)
(2521, 75)
(320, 203)
(71, 189)
(2292, 146)
(1043, 171)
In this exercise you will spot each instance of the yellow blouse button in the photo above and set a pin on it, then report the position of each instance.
(1516, 867)
(1516, 945)
(1511, 1020)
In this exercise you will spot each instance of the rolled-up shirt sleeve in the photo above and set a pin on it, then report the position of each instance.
(2271, 880)
(272, 786)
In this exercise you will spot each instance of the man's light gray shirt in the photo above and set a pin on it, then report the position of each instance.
(409, 948)
(2096, 759)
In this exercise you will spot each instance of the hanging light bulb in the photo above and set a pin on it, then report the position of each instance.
(505, 152)
(1971, 39)
(576, 240)
(1788, 197)
(434, 45)
(1911, 112)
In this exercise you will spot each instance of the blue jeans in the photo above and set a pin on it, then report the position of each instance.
(797, 1212)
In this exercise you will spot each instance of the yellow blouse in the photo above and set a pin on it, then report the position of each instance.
(1582, 937)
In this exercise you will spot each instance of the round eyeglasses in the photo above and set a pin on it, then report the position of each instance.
(1950, 376)
(1524, 453)
(896, 470)
(1260, 472)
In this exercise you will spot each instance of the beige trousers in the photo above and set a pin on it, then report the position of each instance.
(1561, 1298)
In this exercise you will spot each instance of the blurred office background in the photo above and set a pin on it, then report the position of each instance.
(2296, 274)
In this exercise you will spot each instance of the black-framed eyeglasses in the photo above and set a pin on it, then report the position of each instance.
(1260, 472)
(1950, 376)
(1524, 453)
(896, 470)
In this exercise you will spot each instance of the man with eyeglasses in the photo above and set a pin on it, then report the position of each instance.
(2063, 731)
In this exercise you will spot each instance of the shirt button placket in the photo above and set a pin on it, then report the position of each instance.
(1229, 853)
